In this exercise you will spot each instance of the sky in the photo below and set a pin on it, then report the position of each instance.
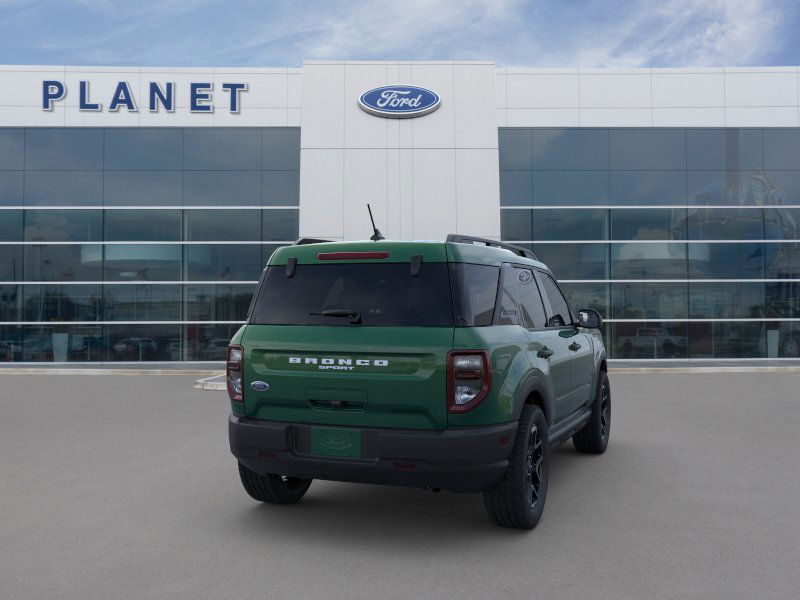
(565, 33)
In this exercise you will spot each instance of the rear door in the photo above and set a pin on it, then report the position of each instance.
(579, 344)
(548, 349)
(383, 365)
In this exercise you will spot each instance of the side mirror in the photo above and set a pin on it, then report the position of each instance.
(589, 318)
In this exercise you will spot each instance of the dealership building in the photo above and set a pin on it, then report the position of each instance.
(138, 206)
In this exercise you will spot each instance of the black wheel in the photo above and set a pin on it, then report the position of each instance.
(593, 438)
(518, 500)
(275, 489)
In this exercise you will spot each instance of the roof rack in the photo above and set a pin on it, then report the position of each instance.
(468, 239)
(304, 241)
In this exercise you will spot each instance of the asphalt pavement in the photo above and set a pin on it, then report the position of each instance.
(122, 486)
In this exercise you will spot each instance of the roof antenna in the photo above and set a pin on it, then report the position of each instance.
(377, 235)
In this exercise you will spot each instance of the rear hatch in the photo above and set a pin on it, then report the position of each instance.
(343, 340)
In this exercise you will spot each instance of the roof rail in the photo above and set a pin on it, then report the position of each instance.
(304, 241)
(469, 239)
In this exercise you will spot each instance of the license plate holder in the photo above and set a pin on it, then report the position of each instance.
(328, 441)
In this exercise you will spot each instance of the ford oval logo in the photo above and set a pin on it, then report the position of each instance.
(399, 101)
(259, 386)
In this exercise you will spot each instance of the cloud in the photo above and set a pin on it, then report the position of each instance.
(586, 33)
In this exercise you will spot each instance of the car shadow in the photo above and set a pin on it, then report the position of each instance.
(371, 515)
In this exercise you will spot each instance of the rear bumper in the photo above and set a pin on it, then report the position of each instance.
(459, 459)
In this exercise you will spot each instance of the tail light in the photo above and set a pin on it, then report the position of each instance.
(234, 372)
(468, 379)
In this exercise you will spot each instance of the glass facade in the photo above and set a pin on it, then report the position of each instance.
(138, 244)
(685, 240)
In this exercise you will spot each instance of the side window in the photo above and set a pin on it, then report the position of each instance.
(530, 301)
(508, 299)
(558, 303)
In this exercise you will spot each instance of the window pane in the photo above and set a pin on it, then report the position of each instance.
(783, 187)
(11, 188)
(222, 148)
(575, 261)
(655, 224)
(218, 302)
(142, 302)
(783, 341)
(63, 225)
(651, 339)
(208, 342)
(782, 148)
(516, 188)
(222, 225)
(560, 314)
(143, 148)
(142, 225)
(11, 263)
(474, 293)
(727, 340)
(587, 295)
(570, 187)
(63, 148)
(143, 342)
(221, 188)
(648, 261)
(530, 300)
(72, 262)
(10, 309)
(726, 300)
(280, 188)
(516, 225)
(580, 224)
(637, 300)
(648, 187)
(62, 303)
(142, 188)
(63, 343)
(11, 341)
(515, 149)
(782, 261)
(280, 225)
(12, 145)
(509, 313)
(648, 149)
(730, 188)
(10, 226)
(783, 299)
(236, 262)
(65, 188)
(781, 223)
(724, 149)
(281, 148)
(726, 261)
(154, 262)
(570, 149)
(726, 224)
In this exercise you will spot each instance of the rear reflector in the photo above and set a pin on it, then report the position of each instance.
(350, 255)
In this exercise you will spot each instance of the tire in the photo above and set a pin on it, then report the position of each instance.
(517, 501)
(593, 438)
(274, 489)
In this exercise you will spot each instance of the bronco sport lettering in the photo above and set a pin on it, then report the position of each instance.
(485, 368)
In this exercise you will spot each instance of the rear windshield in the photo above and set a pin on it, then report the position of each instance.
(383, 294)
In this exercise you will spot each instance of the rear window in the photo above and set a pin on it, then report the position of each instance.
(384, 294)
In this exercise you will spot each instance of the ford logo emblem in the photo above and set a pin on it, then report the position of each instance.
(399, 101)
(259, 386)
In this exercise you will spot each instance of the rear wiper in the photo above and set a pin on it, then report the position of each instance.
(353, 315)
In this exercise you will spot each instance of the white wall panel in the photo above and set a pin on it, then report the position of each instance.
(362, 130)
(474, 104)
(762, 116)
(542, 117)
(760, 88)
(437, 129)
(616, 117)
(615, 90)
(543, 90)
(433, 211)
(693, 90)
(323, 105)
(475, 182)
(322, 196)
(689, 117)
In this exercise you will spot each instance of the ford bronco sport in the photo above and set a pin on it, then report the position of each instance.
(456, 365)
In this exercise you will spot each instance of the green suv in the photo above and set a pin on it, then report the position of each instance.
(456, 365)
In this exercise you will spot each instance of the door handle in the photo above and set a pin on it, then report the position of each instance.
(545, 352)
(574, 346)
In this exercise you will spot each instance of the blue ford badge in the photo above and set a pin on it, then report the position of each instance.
(259, 386)
(399, 101)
